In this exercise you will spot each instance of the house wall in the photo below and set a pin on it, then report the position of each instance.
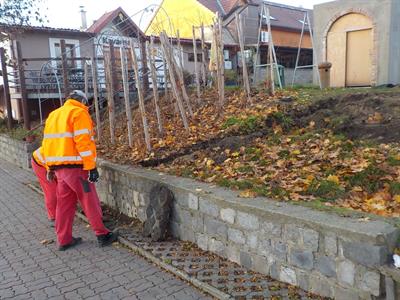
(394, 48)
(36, 45)
(283, 38)
(380, 13)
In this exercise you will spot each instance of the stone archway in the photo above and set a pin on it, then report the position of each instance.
(350, 45)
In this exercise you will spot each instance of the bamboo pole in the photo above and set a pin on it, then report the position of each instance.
(141, 98)
(96, 97)
(203, 57)
(110, 96)
(246, 83)
(125, 83)
(164, 44)
(155, 87)
(196, 66)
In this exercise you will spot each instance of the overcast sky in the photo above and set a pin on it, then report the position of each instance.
(66, 13)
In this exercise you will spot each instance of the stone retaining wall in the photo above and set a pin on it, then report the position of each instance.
(17, 152)
(324, 253)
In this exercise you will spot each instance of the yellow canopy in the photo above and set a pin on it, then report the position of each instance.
(173, 15)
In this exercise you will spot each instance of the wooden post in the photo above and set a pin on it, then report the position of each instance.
(181, 79)
(113, 73)
(110, 96)
(128, 110)
(145, 69)
(96, 97)
(64, 66)
(86, 74)
(141, 98)
(179, 49)
(203, 57)
(154, 83)
(271, 59)
(196, 66)
(7, 97)
(217, 58)
(246, 83)
(24, 94)
(167, 55)
(222, 60)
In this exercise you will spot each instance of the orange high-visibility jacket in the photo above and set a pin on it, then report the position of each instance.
(39, 158)
(68, 137)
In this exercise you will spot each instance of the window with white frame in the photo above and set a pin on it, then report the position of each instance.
(264, 36)
(72, 51)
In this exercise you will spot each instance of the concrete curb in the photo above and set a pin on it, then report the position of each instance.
(146, 254)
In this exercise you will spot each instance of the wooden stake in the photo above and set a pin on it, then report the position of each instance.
(222, 60)
(196, 67)
(64, 66)
(180, 49)
(154, 83)
(110, 96)
(246, 83)
(173, 67)
(141, 98)
(203, 57)
(218, 44)
(271, 59)
(125, 82)
(24, 93)
(164, 44)
(113, 73)
(96, 97)
(6, 87)
(86, 78)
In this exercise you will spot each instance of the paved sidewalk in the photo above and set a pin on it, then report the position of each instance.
(30, 270)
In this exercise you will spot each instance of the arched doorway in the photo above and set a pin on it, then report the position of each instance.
(349, 47)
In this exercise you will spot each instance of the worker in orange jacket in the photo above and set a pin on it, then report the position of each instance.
(70, 151)
(48, 187)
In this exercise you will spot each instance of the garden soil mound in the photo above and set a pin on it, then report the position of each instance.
(374, 116)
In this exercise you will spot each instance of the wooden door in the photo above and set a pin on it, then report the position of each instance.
(358, 58)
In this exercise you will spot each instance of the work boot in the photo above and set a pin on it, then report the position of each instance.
(52, 223)
(74, 242)
(107, 239)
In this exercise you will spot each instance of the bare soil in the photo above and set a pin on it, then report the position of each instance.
(373, 116)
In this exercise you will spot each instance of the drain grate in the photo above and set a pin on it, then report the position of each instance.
(220, 273)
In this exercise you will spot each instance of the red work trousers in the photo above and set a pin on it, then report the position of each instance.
(48, 188)
(72, 186)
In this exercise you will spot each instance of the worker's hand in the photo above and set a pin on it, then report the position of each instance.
(50, 176)
(93, 175)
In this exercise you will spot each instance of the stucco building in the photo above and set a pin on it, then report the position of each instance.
(361, 39)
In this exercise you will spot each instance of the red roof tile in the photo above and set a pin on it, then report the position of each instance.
(108, 17)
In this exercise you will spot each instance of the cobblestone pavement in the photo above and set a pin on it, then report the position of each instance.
(30, 270)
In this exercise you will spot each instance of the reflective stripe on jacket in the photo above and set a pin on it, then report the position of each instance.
(68, 137)
(38, 157)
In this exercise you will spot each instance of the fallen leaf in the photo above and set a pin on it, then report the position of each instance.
(333, 178)
(248, 194)
(47, 242)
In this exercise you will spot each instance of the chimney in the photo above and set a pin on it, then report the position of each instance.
(83, 17)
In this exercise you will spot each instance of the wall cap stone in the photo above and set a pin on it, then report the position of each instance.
(377, 232)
